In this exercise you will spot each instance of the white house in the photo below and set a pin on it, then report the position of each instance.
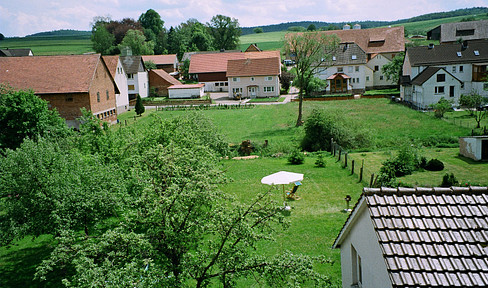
(416, 237)
(254, 78)
(118, 73)
(465, 61)
(137, 77)
(186, 91)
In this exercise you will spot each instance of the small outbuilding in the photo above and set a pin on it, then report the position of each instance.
(186, 91)
(474, 147)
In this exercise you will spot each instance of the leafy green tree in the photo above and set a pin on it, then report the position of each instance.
(103, 42)
(150, 65)
(393, 70)
(258, 30)
(24, 115)
(296, 29)
(225, 31)
(311, 52)
(441, 107)
(185, 68)
(136, 40)
(311, 27)
(2, 37)
(154, 29)
(139, 106)
(473, 102)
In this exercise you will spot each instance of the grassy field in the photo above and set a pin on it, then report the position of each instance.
(41, 46)
(421, 27)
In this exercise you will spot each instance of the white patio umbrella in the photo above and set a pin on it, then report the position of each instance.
(282, 177)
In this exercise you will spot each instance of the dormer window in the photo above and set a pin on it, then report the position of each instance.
(476, 53)
(459, 54)
(354, 57)
(334, 58)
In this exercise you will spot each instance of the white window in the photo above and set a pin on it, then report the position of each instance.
(236, 79)
(357, 80)
(268, 78)
(269, 89)
(461, 69)
(340, 69)
(453, 69)
(349, 69)
(252, 79)
(381, 77)
(357, 68)
(357, 268)
(353, 80)
(439, 89)
(334, 58)
(130, 76)
(354, 57)
(367, 78)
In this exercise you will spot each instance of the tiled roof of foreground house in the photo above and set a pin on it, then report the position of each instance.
(253, 67)
(217, 62)
(430, 237)
(50, 74)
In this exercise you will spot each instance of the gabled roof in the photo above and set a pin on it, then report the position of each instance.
(470, 30)
(448, 54)
(50, 74)
(217, 62)
(15, 52)
(253, 67)
(348, 54)
(131, 63)
(111, 62)
(375, 40)
(427, 74)
(164, 75)
(430, 237)
(335, 75)
(161, 59)
(253, 48)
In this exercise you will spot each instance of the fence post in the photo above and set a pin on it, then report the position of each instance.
(361, 172)
(340, 152)
(345, 160)
(331, 146)
(335, 149)
(371, 181)
(352, 167)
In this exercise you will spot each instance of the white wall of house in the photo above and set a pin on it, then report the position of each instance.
(186, 93)
(218, 86)
(356, 72)
(143, 84)
(263, 86)
(376, 64)
(432, 90)
(365, 242)
(121, 99)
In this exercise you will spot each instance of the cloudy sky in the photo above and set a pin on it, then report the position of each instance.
(24, 17)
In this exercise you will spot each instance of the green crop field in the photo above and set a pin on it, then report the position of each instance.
(40, 46)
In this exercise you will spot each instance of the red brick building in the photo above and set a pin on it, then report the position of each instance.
(68, 83)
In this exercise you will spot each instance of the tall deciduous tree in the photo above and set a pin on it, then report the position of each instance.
(154, 29)
(311, 52)
(226, 32)
(23, 114)
(136, 40)
(103, 42)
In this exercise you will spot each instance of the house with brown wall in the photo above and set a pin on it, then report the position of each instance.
(68, 83)
(159, 81)
(168, 63)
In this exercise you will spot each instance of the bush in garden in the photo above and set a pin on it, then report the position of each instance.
(320, 162)
(296, 157)
(449, 180)
(434, 165)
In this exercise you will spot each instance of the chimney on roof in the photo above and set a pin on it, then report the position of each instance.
(431, 45)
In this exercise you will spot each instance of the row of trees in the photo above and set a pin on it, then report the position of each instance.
(139, 207)
(148, 35)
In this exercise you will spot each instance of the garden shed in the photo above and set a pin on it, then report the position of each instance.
(186, 91)
(474, 147)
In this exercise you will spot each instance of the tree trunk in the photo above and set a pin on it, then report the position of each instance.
(300, 104)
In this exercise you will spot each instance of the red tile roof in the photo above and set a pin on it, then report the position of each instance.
(160, 59)
(163, 74)
(253, 67)
(50, 74)
(375, 40)
(217, 62)
(186, 86)
(111, 62)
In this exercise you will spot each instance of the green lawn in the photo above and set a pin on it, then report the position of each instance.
(316, 218)
(265, 41)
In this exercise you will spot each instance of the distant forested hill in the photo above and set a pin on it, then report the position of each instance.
(369, 24)
(61, 33)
